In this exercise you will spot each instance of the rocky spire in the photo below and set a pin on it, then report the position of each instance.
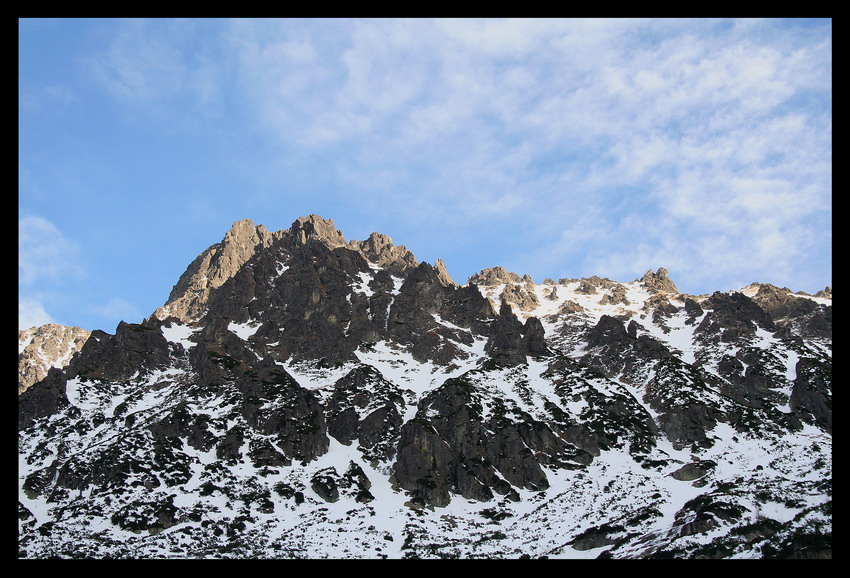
(315, 228)
(509, 340)
(659, 281)
(825, 292)
(443, 274)
(212, 268)
(379, 249)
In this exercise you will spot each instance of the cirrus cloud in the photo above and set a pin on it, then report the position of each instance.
(555, 147)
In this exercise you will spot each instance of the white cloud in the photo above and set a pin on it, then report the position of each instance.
(140, 65)
(45, 258)
(682, 140)
(44, 253)
(48, 261)
(31, 313)
(154, 69)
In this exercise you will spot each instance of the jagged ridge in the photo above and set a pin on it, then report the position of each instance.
(296, 384)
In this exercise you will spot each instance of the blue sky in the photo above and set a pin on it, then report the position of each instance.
(553, 147)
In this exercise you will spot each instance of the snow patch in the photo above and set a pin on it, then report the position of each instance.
(177, 333)
(244, 330)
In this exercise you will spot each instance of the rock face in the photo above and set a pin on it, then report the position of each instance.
(379, 249)
(659, 281)
(314, 228)
(46, 346)
(211, 269)
(300, 395)
(453, 446)
(798, 313)
(367, 409)
(510, 342)
(494, 276)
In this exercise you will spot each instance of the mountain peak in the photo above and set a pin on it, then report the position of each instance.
(495, 276)
(442, 273)
(212, 268)
(291, 370)
(379, 249)
(315, 228)
(243, 228)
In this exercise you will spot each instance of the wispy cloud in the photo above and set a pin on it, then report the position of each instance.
(44, 253)
(595, 146)
(46, 258)
(31, 313)
(149, 67)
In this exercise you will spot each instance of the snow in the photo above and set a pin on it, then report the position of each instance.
(244, 330)
(363, 285)
(75, 396)
(610, 489)
(24, 339)
(178, 333)
(397, 365)
(681, 336)
(314, 378)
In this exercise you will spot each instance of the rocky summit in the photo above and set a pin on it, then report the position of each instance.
(304, 396)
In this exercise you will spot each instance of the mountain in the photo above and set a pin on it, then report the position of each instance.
(304, 396)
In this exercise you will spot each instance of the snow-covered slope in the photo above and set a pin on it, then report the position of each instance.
(589, 418)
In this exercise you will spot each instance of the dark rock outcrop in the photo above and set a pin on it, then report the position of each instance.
(795, 314)
(811, 395)
(43, 399)
(367, 408)
(509, 340)
(688, 409)
(616, 350)
(732, 317)
(450, 447)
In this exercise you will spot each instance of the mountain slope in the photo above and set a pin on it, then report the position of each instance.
(304, 396)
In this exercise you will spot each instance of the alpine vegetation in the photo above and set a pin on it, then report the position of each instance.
(304, 396)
